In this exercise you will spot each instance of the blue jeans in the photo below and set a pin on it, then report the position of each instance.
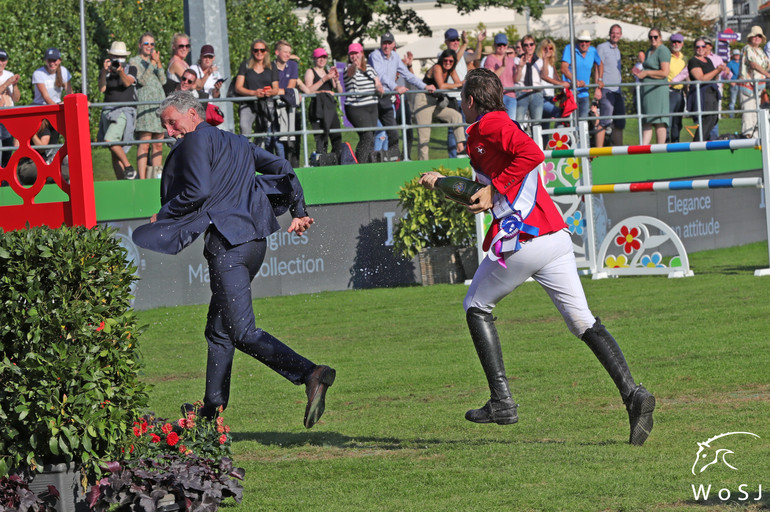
(531, 103)
(584, 106)
(380, 139)
(510, 106)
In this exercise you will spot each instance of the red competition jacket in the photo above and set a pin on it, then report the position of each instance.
(502, 153)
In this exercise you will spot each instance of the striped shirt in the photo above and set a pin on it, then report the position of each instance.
(361, 82)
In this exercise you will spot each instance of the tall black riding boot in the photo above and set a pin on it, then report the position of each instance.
(639, 402)
(501, 408)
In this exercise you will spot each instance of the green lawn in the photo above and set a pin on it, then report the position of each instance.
(394, 436)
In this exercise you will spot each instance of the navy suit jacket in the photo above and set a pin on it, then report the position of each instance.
(209, 178)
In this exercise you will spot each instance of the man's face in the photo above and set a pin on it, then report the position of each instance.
(187, 83)
(453, 44)
(529, 46)
(583, 46)
(676, 46)
(387, 47)
(615, 34)
(178, 124)
(283, 54)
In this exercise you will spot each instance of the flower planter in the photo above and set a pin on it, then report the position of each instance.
(66, 479)
(440, 265)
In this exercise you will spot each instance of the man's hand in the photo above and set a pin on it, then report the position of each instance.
(482, 200)
(154, 218)
(300, 224)
(430, 88)
(428, 179)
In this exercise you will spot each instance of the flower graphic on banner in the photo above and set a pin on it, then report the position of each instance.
(628, 240)
(559, 141)
(548, 172)
(576, 223)
(655, 260)
(616, 262)
(572, 168)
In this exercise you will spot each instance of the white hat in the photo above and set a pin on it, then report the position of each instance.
(118, 49)
(756, 30)
(584, 36)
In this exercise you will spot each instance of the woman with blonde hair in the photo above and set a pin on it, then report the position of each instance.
(150, 81)
(52, 81)
(546, 51)
(258, 79)
(754, 66)
(180, 49)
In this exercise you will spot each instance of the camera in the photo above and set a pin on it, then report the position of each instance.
(114, 65)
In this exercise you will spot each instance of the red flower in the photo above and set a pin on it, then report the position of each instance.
(137, 433)
(220, 429)
(182, 448)
(627, 239)
(155, 438)
(181, 422)
(227, 429)
(172, 439)
(168, 427)
(131, 450)
(559, 141)
(222, 439)
(101, 326)
(220, 420)
(144, 426)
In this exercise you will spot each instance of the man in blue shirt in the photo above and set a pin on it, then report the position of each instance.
(388, 65)
(587, 60)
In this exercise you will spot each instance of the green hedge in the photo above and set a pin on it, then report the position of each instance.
(70, 363)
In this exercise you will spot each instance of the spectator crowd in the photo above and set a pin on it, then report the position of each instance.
(537, 77)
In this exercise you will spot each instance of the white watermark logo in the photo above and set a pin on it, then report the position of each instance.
(708, 455)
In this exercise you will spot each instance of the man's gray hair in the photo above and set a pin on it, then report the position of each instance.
(182, 101)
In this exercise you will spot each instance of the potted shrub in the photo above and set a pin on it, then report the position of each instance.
(69, 366)
(439, 232)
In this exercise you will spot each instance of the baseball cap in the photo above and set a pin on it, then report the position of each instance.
(707, 41)
(679, 38)
(735, 52)
(52, 53)
(501, 39)
(319, 52)
(3, 54)
(387, 37)
(355, 48)
(207, 50)
(451, 34)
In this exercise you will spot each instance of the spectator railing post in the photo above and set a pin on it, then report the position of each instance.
(404, 128)
(304, 131)
(639, 118)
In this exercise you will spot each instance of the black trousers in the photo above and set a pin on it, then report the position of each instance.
(675, 105)
(364, 116)
(231, 325)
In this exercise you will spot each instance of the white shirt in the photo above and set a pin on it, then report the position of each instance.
(42, 76)
(4, 77)
(208, 87)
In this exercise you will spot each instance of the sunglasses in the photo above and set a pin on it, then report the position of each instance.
(502, 44)
(258, 50)
(700, 46)
(183, 45)
(188, 81)
(527, 45)
(451, 61)
(147, 43)
(453, 40)
(653, 37)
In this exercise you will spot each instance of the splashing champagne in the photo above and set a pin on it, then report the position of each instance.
(458, 189)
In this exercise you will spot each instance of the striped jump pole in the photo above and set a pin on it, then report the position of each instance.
(655, 186)
(678, 147)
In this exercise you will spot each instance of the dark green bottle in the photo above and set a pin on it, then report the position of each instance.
(458, 188)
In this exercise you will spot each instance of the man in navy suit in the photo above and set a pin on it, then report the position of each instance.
(209, 186)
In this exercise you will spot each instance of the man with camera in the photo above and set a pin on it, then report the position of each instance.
(117, 80)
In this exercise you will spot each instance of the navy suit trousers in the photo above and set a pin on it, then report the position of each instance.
(231, 325)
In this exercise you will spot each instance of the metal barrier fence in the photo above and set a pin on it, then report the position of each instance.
(403, 125)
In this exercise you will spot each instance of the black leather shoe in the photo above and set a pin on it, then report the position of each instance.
(316, 384)
(187, 408)
(502, 412)
(640, 406)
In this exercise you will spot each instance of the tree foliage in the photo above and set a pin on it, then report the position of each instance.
(348, 21)
(685, 16)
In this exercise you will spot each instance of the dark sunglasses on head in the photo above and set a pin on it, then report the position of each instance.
(258, 50)
(183, 45)
(147, 43)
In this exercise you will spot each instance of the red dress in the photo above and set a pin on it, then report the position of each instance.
(503, 155)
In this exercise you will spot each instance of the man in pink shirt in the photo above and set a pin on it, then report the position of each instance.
(505, 68)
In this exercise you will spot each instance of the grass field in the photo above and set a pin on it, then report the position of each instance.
(394, 437)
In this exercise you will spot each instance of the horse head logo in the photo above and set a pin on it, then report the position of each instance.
(705, 457)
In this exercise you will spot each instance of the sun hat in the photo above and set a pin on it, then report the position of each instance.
(319, 52)
(756, 30)
(584, 36)
(118, 49)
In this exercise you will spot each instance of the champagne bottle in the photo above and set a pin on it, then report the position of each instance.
(458, 188)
